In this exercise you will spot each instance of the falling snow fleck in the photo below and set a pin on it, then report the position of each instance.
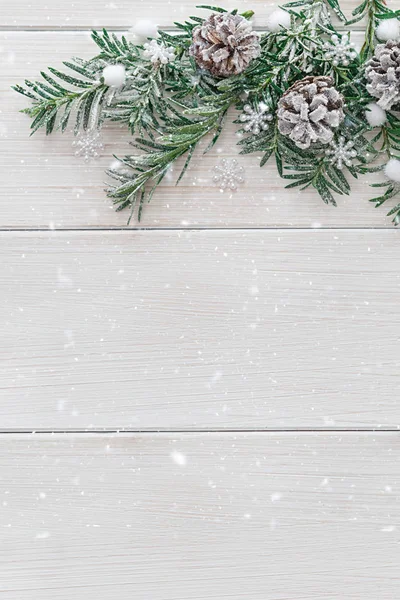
(179, 458)
(88, 145)
(389, 529)
(256, 119)
(341, 153)
(276, 497)
(228, 174)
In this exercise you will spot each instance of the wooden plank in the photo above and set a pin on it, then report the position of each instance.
(197, 330)
(124, 13)
(189, 517)
(45, 185)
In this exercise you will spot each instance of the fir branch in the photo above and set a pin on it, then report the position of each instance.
(143, 102)
(388, 142)
(318, 10)
(171, 107)
(315, 170)
(53, 97)
(115, 50)
(391, 135)
(90, 99)
(372, 11)
(392, 190)
(146, 170)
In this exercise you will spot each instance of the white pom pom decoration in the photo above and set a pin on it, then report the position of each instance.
(114, 75)
(278, 19)
(375, 115)
(392, 170)
(144, 29)
(388, 29)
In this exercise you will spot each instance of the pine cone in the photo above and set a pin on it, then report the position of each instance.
(383, 74)
(309, 110)
(224, 44)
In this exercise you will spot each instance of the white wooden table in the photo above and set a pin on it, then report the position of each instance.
(204, 409)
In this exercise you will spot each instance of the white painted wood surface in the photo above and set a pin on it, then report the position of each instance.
(46, 186)
(232, 329)
(187, 517)
(123, 13)
(197, 330)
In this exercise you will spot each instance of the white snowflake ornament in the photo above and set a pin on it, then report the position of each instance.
(158, 53)
(340, 51)
(256, 119)
(228, 174)
(341, 153)
(88, 145)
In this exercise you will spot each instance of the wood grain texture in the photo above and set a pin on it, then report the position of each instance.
(46, 186)
(197, 330)
(157, 330)
(123, 13)
(190, 517)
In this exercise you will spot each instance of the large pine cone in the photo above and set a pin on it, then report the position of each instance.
(383, 74)
(225, 44)
(309, 110)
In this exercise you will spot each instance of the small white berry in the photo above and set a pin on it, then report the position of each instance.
(144, 29)
(278, 20)
(375, 115)
(392, 170)
(388, 29)
(114, 75)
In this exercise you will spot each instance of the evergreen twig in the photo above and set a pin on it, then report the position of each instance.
(170, 108)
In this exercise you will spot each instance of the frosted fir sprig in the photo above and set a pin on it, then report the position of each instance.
(300, 89)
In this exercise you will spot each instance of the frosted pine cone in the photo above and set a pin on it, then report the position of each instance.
(225, 44)
(309, 110)
(383, 74)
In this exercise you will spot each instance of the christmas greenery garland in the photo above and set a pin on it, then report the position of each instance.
(304, 94)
